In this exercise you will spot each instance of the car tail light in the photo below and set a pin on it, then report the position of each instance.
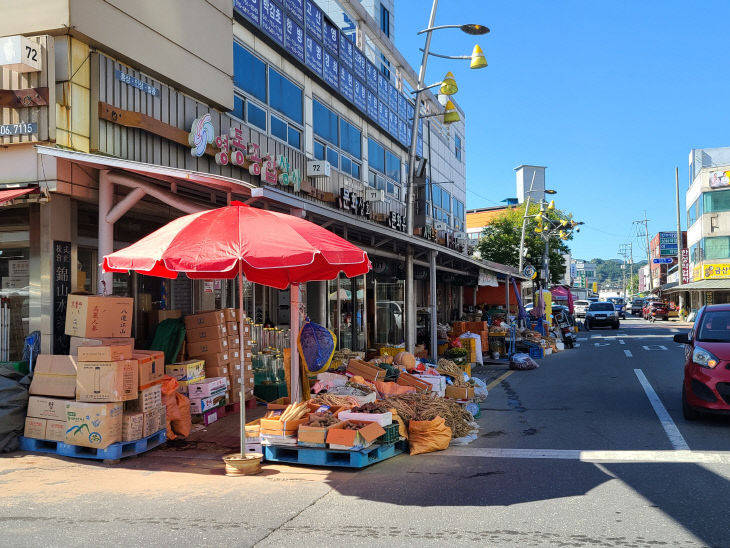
(702, 357)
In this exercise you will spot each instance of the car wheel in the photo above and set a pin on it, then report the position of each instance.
(587, 325)
(689, 412)
(615, 326)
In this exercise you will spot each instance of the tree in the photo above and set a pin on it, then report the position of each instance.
(500, 241)
(632, 285)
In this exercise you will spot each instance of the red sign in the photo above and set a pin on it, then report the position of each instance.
(685, 265)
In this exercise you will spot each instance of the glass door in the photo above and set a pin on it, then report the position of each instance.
(389, 312)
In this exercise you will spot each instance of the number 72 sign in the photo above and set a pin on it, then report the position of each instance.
(20, 54)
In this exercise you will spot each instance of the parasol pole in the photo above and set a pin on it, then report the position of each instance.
(294, 301)
(240, 357)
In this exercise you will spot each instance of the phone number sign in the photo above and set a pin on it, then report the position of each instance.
(18, 129)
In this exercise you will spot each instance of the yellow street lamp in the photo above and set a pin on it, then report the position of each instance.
(448, 85)
(451, 115)
(477, 58)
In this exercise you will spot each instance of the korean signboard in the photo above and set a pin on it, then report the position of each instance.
(61, 288)
(685, 265)
(715, 271)
(308, 35)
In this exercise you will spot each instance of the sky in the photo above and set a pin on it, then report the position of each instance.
(610, 95)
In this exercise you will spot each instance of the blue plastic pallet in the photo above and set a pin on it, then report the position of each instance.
(330, 457)
(115, 451)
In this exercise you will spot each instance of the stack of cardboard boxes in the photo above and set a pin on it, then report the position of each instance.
(146, 414)
(479, 328)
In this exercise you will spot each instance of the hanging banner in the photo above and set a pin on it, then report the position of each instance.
(685, 265)
(487, 278)
(61, 275)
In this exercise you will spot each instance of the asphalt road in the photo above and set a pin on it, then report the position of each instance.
(588, 450)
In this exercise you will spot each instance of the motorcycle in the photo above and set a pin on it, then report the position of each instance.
(566, 329)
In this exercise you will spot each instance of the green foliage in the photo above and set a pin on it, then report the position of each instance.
(632, 285)
(610, 270)
(500, 241)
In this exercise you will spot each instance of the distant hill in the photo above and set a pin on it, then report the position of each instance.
(610, 270)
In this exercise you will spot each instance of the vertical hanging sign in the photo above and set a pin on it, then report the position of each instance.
(61, 288)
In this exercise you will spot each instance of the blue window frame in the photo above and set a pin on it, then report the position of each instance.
(324, 122)
(392, 166)
(457, 147)
(343, 146)
(319, 150)
(350, 139)
(256, 116)
(376, 155)
(285, 96)
(249, 72)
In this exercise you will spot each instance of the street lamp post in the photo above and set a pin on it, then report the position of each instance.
(410, 296)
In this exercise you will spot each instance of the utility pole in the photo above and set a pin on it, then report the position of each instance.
(626, 251)
(645, 222)
(679, 243)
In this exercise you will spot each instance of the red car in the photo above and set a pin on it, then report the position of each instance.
(706, 386)
(655, 310)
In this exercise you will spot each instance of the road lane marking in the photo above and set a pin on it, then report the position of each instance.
(576, 345)
(582, 338)
(602, 344)
(673, 433)
(621, 341)
(498, 380)
(628, 353)
(679, 456)
(651, 347)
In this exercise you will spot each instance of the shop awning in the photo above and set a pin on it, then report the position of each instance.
(154, 171)
(11, 194)
(702, 285)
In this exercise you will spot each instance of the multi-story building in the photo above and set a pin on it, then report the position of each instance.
(708, 227)
(644, 282)
(585, 274)
(135, 113)
(663, 247)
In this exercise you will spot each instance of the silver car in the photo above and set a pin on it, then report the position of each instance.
(580, 308)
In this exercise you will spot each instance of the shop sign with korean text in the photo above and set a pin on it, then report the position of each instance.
(715, 271)
(685, 265)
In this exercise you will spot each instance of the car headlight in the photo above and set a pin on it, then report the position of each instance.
(702, 357)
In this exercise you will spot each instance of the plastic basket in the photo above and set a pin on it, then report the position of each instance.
(536, 351)
(391, 435)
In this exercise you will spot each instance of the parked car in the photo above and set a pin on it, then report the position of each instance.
(654, 310)
(620, 306)
(706, 386)
(601, 314)
(579, 307)
(636, 306)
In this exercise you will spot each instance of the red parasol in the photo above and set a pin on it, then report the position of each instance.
(266, 247)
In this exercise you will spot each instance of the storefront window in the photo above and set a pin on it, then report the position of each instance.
(389, 312)
(346, 305)
(14, 300)
(716, 201)
(716, 248)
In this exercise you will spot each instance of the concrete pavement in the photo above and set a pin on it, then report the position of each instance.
(571, 454)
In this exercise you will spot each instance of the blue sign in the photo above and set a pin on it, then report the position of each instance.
(358, 64)
(272, 20)
(402, 108)
(314, 19)
(294, 38)
(382, 87)
(372, 105)
(411, 111)
(313, 58)
(331, 38)
(663, 261)
(249, 9)
(393, 123)
(393, 97)
(295, 8)
(347, 84)
(383, 115)
(330, 70)
(360, 95)
(372, 77)
(346, 51)
(668, 246)
(402, 133)
(135, 83)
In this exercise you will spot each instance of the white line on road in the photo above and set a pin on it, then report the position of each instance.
(681, 456)
(651, 347)
(673, 433)
(628, 353)
(582, 339)
(621, 341)
(576, 345)
(602, 344)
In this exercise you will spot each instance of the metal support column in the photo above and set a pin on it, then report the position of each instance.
(106, 230)
(433, 305)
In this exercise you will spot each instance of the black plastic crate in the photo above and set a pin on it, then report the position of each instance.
(391, 435)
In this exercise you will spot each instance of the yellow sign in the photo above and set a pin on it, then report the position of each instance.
(697, 273)
(595, 287)
(715, 271)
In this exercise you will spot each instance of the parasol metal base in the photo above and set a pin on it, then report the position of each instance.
(249, 465)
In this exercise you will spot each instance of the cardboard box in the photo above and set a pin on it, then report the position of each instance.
(231, 314)
(274, 427)
(313, 435)
(96, 316)
(207, 347)
(204, 319)
(459, 392)
(47, 408)
(107, 381)
(216, 372)
(150, 367)
(35, 428)
(77, 342)
(208, 387)
(151, 422)
(148, 399)
(339, 438)
(207, 333)
(105, 353)
(162, 418)
(201, 405)
(162, 315)
(219, 359)
(187, 370)
(54, 376)
(437, 382)
(234, 342)
(235, 396)
(132, 425)
(232, 328)
(56, 430)
(183, 385)
(383, 419)
(96, 425)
